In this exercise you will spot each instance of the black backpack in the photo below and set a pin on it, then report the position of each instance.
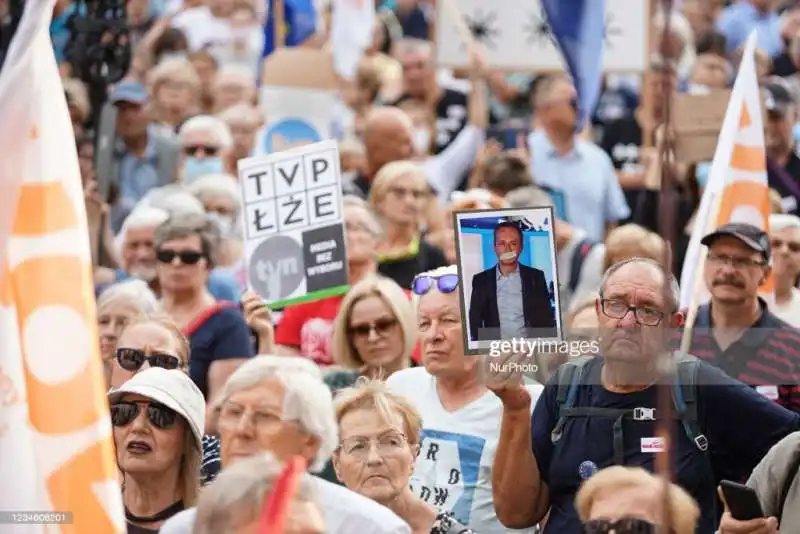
(684, 396)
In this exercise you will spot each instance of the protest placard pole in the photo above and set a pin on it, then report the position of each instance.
(279, 23)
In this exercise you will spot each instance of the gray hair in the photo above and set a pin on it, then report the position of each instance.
(237, 494)
(435, 273)
(143, 216)
(307, 399)
(182, 226)
(208, 123)
(174, 199)
(528, 196)
(241, 112)
(782, 221)
(411, 45)
(674, 287)
(213, 185)
(134, 291)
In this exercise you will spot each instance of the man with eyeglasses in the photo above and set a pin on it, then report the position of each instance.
(607, 412)
(736, 331)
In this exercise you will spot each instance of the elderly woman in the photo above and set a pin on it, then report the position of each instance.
(280, 404)
(206, 142)
(374, 333)
(459, 412)
(219, 194)
(631, 500)
(398, 195)
(633, 241)
(157, 418)
(244, 120)
(116, 308)
(233, 503)
(371, 414)
(175, 87)
(233, 84)
(186, 250)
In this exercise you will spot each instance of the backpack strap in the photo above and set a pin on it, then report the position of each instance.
(576, 265)
(204, 316)
(684, 396)
(568, 377)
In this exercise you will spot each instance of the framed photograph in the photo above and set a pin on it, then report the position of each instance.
(509, 276)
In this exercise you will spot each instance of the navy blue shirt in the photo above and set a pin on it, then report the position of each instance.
(224, 335)
(738, 439)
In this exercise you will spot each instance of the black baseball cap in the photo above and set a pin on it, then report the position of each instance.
(752, 236)
(777, 97)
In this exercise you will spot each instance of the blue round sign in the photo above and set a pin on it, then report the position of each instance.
(587, 469)
(289, 133)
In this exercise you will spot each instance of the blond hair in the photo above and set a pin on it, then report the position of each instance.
(167, 323)
(178, 69)
(389, 174)
(634, 241)
(683, 510)
(376, 395)
(344, 353)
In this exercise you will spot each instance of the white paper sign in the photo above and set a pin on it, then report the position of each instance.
(294, 233)
(295, 117)
(515, 36)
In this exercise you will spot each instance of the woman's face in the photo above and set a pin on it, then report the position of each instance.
(175, 95)
(205, 70)
(142, 447)
(244, 136)
(228, 93)
(404, 201)
(374, 457)
(376, 333)
(361, 242)
(186, 268)
(111, 319)
(151, 338)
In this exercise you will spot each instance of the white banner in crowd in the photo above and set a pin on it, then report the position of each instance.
(515, 36)
(294, 231)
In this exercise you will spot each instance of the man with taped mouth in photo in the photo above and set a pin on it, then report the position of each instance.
(510, 299)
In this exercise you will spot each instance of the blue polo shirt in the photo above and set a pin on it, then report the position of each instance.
(738, 439)
(584, 187)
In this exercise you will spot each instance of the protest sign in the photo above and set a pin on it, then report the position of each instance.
(294, 232)
(698, 121)
(515, 36)
(298, 99)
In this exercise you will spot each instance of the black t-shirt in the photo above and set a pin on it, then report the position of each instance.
(134, 529)
(622, 141)
(451, 116)
(738, 439)
(404, 270)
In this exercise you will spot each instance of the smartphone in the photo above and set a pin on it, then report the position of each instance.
(742, 501)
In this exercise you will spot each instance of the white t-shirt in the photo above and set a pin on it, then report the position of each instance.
(788, 311)
(454, 466)
(345, 511)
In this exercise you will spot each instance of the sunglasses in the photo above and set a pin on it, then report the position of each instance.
(124, 413)
(625, 525)
(191, 150)
(446, 283)
(381, 327)
(133, 359)
(187, 257)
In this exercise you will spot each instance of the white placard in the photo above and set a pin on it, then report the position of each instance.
(294, 230)
(295, 117)
(515, 36)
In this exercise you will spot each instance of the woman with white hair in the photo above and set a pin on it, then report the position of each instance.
(397, 196)
(234, 502)
(219, 194)
(117, 306)
(784, 236)
(206, 142)
(233, 84)
(158, 419)
(175, 87)
(459, 413)
(281, 405)
(244, 120)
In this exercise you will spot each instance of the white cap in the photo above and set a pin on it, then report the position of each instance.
(172, 388)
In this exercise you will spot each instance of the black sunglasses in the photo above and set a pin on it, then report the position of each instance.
(124, 413)
(381, 327)
(209, 150)
(133, 359)
(625, 525)
(187, 257)
(446, 283)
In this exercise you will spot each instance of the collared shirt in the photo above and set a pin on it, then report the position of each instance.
(737, 21)
(137, 176)
(585, 190)
(509, 304)
(766, 356)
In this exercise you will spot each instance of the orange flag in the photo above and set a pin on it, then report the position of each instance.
(56, 449)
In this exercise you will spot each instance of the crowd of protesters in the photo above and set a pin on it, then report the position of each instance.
(212, 393)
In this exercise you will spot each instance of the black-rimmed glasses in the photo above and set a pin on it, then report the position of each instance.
(618, 309)
(446, 283)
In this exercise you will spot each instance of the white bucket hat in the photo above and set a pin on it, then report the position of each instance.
(172, 388)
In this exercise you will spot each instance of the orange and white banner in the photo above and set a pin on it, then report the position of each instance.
(737, 189)
(56, 448)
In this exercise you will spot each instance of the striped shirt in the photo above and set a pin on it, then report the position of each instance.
(766, 356)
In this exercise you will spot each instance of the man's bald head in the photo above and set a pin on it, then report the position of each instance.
(387, 137)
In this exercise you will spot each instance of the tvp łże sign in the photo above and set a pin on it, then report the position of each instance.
(294, 227)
